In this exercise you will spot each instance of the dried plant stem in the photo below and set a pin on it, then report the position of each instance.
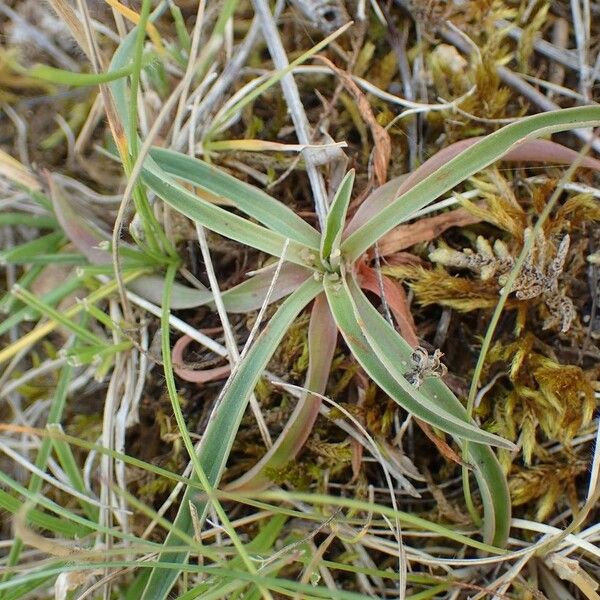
(292, 96)
(230, 343)
(518, 83)
(225, 79)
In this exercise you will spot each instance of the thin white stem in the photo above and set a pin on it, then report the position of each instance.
(292, 96)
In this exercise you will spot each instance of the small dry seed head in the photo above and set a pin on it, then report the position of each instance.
(425, 365)
(536, 279)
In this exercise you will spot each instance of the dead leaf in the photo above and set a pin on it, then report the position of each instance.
(381, 138)
(188, 374)
(441, 444)
(424, 230)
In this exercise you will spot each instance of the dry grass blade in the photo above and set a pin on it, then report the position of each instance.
(381, 139)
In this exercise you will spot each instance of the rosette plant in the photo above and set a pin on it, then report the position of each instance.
(327, 271)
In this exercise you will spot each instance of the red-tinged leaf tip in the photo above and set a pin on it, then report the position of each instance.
(202, 376)
(525, 151)
(85, 235)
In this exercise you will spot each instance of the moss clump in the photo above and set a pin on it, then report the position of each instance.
(541, 396)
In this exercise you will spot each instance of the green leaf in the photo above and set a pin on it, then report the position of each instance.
(219, 220)
(24, 590)
(336, 218)
(249, 199)
(322, 338)
(51, 298)
(380, 364)
(467, 163)
(59, 526)
(62, 77)
(242, 298)
(490, 478)
(24, 252)
(37, 221)
(222, 427)
(251, 294)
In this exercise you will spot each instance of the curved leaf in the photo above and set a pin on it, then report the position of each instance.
(222, 428)
(452, 172)
(242, 298)
(63, 77)
(336, 217)
(528, 150)
(247, 198)
(380, 363)
(322, 338)
(219, 220)
(488, 472)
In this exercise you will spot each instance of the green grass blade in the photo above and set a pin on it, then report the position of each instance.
(219, 220)
(37, 221)
(50, 299)
(69, 465)
(378, 362)
(277, 76)
(249, 199)
(28, 250)
(283, 586)
(59, 258)
(487, 470)
(62, 77)
(221, 430)
(58, 526)
(258, 546)
(336, 218)
(9, 305)
(467, 163)
(273, 499)
(182, 33)
(56, 315)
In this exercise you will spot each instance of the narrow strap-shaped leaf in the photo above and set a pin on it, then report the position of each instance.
(251, 294)
(336, 218)
(487, 470)
(220, 220)
(85, 235)
(42, 245)
(243, 298)
(322, 338)
(249, 199)
(467, 163)
(378, 362)
(210, 216)
(222, 427)
(62, 77)
(528, 150)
